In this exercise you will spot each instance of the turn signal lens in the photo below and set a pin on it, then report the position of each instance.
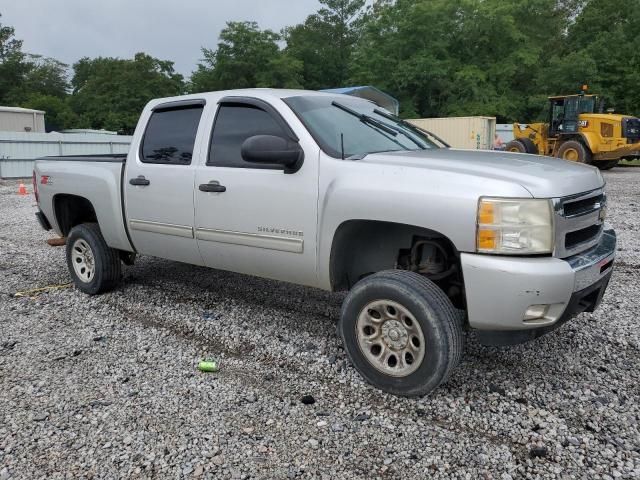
(487, 239)
(486, 213)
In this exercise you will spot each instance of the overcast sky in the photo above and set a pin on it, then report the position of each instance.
(167, 29)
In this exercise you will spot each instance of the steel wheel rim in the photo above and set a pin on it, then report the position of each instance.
(571, 154)
(83, 260)
(390, 338)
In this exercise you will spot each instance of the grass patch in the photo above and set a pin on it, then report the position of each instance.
(630, 163)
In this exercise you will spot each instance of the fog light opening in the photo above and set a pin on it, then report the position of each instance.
(536, 312)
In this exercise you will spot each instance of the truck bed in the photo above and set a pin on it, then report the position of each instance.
(97, 178)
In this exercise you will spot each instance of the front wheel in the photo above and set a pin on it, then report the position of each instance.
(515, 146)
(94, 266)
(401, 332)
(522, 145)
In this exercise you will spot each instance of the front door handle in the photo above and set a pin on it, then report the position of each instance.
(140, 181)
(212, 186)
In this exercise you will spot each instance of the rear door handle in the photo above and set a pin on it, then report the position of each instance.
(140, 181)
(212, 186)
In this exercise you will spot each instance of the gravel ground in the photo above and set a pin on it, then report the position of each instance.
(107, 386)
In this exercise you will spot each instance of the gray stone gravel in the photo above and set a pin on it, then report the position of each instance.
(107, 386)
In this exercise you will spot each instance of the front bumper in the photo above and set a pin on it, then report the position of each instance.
(500, 289)
(631, 150)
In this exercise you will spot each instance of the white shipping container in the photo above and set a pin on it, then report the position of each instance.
(475, 133)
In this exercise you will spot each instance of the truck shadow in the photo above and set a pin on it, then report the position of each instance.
(210, 288)
(522, 373)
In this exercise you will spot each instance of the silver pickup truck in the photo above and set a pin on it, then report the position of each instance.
(335, 193)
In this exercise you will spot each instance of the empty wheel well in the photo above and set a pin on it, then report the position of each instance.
(363, 247)
(72, 210)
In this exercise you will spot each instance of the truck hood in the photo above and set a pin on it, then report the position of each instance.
(543, 177)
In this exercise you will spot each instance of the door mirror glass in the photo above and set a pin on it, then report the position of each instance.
(273, 149)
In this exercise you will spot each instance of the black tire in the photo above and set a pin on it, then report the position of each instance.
(574, 151)
(515, 146)
(522, 145)
(606, 165)
(438, 320)
(106, 260)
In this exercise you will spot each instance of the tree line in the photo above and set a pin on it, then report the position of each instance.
(438, 57)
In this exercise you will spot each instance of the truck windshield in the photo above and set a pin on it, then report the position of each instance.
(355, 126)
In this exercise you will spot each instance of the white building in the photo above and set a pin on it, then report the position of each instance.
(16, 119)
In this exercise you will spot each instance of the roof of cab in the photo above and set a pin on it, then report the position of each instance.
(262, 93)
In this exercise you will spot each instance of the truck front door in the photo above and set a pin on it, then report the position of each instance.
(261, 221)
(158, 182)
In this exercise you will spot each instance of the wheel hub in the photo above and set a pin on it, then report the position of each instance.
(394, 334)
(571, 154)
(390, 338)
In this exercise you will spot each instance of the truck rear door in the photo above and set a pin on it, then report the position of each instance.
(159, 181)
(262, 221)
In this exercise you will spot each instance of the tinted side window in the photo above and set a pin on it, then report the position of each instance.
(234, 124)
(170, 136)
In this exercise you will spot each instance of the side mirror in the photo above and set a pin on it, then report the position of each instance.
(270, 149)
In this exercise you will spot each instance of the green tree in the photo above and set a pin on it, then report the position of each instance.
(282, 71)
(109, 93)
(58, 111)
(46, 76)
(324, 42)
(12, 63)
(602, 49)
(462, 57)
(40, 76)
(404, 49)
(245, 57)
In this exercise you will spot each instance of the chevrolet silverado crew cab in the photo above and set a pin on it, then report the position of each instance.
(333, 192)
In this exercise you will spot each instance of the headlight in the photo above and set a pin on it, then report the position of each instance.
(514, 226)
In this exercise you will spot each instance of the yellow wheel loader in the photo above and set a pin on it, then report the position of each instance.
(576, 131)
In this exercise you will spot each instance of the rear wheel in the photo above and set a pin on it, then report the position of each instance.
(574, 151)
(401, 332)
(94, 266)
(608, 165)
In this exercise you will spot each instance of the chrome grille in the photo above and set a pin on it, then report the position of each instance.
(579, 221)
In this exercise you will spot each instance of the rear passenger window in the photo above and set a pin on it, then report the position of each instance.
(234, 124)
(171, 135)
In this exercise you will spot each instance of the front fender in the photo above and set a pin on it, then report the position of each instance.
(441, 202)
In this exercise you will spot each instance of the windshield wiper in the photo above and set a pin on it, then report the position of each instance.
(366, 119)
(410, 126)
(418, 144)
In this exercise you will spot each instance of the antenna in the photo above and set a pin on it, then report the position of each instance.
(342, 144)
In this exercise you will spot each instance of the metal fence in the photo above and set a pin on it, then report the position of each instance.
(505, 131)
(19, 150)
